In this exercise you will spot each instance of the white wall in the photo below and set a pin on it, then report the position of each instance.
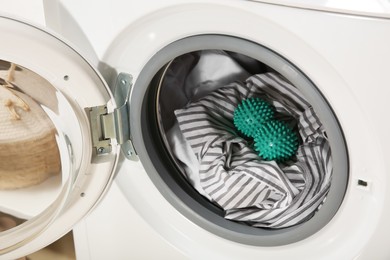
(31, 10)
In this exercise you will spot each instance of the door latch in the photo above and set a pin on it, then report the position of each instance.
(116, 125)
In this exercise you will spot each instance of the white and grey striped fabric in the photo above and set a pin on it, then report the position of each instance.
(259, 193)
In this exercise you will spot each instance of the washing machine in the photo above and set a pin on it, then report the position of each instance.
(103, 68)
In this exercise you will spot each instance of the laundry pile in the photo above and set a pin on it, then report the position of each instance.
(223, 166)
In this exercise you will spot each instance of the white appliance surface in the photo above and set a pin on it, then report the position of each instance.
(114, 230)
(339, 51)
(379, 8)
(345, 52)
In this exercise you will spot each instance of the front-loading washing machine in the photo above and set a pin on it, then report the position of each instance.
(334, 54)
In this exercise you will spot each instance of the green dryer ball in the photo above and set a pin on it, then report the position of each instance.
(275, 141)
(250, 114)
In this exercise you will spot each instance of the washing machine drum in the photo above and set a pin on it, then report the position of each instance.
(184, 133)
(201, 128)
(62, 131)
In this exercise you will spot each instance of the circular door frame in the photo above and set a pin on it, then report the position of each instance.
(146, 137)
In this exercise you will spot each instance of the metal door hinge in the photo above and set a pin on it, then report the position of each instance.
(116, 125)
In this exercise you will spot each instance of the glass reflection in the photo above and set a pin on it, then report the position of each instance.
(30, 163)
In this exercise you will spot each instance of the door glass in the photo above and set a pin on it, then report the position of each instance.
(31, 173)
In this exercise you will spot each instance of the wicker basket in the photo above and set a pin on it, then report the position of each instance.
(28, 147)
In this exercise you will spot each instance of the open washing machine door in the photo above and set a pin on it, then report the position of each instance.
(56, 158)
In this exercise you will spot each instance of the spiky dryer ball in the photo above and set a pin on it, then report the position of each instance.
(250, 114)
(276, 141)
